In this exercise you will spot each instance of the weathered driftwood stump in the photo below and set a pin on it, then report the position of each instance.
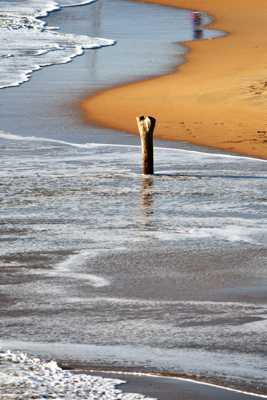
(146, 126)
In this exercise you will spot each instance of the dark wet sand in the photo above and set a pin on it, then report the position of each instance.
(171, 388)
(94, 339)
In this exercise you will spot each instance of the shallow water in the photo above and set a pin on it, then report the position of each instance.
(28, 45)
(160, 273)
(47, 106)
(103, 266)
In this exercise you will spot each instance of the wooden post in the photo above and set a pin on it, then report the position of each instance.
(146, 126)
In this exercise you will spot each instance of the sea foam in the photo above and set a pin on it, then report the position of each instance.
(22, 376)
(28, 44)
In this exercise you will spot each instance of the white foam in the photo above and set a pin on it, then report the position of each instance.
(68, 269)
(27, 44)
(223, 155)
(22, 375)
(211, 305)
(11, 136)
(211, 156)
(71, 3)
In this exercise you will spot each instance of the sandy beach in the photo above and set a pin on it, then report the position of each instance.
(217, 98)
(103, 268)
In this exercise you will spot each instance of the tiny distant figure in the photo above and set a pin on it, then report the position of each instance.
(197, 25)
(197, 18)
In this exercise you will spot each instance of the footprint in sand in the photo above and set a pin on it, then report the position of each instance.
(258, 88)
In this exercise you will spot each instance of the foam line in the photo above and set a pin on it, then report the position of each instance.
(68, 267)
(81, 3)
(10, 136)
(194, 381)
(133, 301)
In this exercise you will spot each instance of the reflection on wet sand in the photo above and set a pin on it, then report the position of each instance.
(146, 198)
(197, 25)
(99, 254)
(97, 30)
(198, 33)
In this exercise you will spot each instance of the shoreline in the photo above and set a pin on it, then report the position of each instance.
(193, 381)
(64, 86)
(223, 110)
(147, 205)
(179, 379)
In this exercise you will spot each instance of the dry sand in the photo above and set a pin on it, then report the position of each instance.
(218, 98)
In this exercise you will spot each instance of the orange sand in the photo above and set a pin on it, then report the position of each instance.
(218, 98)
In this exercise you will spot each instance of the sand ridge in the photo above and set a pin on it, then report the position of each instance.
(217, 98)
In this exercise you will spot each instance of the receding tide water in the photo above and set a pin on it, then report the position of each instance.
(103, 266)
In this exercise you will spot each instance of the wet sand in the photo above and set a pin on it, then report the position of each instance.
(105, 267)
(216, 99)
(171, 388)
(210, 309)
